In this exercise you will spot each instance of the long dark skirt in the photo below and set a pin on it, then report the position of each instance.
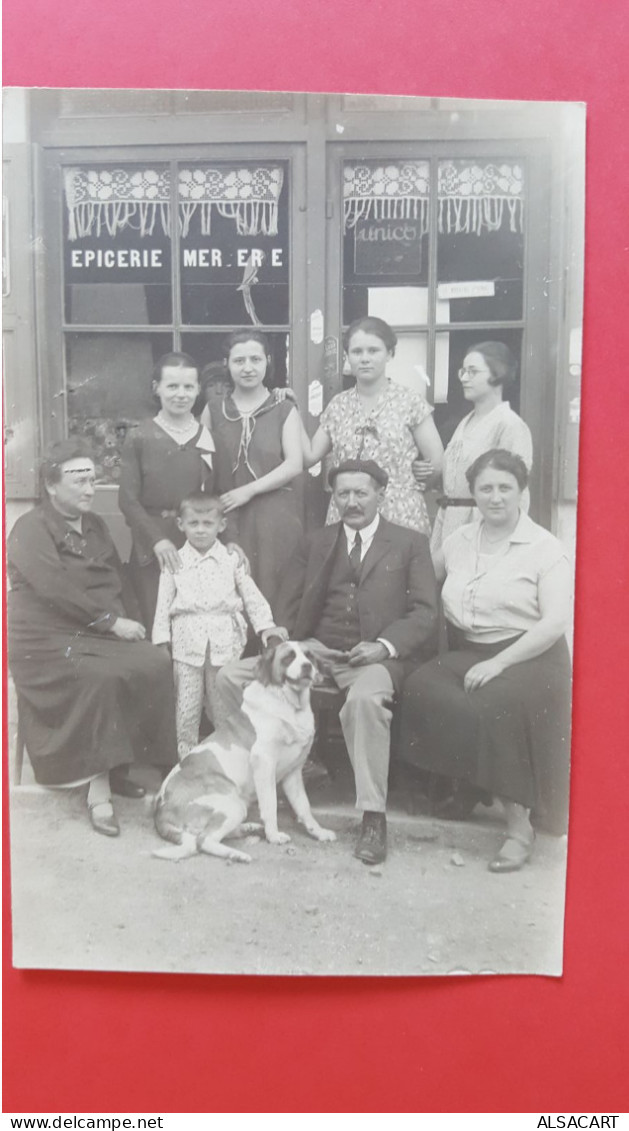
(269, 530)
(89, 703)
(510, 737)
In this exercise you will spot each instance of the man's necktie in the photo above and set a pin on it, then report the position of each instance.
(354, 554)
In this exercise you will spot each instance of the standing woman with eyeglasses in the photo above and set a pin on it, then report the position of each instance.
(379, 419)
(488, 369)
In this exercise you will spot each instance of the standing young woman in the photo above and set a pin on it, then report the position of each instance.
(382, 421)
(167, 458)
(258, 455)
(487, 370)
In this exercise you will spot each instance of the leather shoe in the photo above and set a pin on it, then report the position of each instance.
(124, 786)
(513, 855)
(103, 818)
(372, 844)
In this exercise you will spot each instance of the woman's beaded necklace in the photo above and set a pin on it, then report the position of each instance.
(181, 433)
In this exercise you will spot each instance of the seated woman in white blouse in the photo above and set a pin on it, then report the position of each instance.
(494, 712)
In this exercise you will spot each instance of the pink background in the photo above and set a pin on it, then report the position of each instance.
(104, 1043)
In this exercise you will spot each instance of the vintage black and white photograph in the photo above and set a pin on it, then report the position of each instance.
(291, 417)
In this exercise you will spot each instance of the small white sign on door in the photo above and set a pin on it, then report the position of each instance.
(472, 289)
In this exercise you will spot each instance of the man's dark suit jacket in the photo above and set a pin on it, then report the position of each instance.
(397, 592)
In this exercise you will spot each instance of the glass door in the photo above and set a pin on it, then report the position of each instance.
(162, 254)
(441, 242)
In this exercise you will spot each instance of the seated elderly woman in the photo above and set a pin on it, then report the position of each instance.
(494, 712)
(94, 696)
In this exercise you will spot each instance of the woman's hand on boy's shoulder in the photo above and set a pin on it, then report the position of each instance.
(167, 555)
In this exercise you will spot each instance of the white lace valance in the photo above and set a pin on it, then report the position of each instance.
(249, 196)
(109, 200)
(472, 197)
(387, 192)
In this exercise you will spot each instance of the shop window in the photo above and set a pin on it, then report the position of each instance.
(109, 390)
(480, 241)
(194, 249)
(117, 246)
(386, 257)
(234, 245)
(473, 228)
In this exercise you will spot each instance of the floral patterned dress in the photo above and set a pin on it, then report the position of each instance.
(384, 434)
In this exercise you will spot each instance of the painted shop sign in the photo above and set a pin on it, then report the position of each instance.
(109, 261)
(234, 260)
(120, 259)
(388, 247)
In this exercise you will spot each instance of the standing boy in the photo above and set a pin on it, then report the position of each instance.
(201, 614)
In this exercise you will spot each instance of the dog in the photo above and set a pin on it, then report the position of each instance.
(205, 799)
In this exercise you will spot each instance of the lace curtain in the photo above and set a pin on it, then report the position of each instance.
(472, 197)
(105, 200)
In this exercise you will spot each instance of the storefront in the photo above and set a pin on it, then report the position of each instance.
(149, 221)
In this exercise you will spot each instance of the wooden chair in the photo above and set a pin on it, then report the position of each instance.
(326, 700)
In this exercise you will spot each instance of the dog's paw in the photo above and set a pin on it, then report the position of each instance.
(249, 827)
(319, 833)
(325, 834)
(277, 838)
(239, 857)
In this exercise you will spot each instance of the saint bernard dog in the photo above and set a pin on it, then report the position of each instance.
(205, 799)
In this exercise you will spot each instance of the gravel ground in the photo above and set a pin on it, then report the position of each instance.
(81, 901)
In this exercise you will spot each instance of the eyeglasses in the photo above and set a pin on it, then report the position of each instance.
(471, 371)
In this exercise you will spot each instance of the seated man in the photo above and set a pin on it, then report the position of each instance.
(362, 596)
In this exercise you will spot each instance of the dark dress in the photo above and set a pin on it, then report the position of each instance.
(269, 527)
(88, 701)
(157, 473)
(510, 737)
